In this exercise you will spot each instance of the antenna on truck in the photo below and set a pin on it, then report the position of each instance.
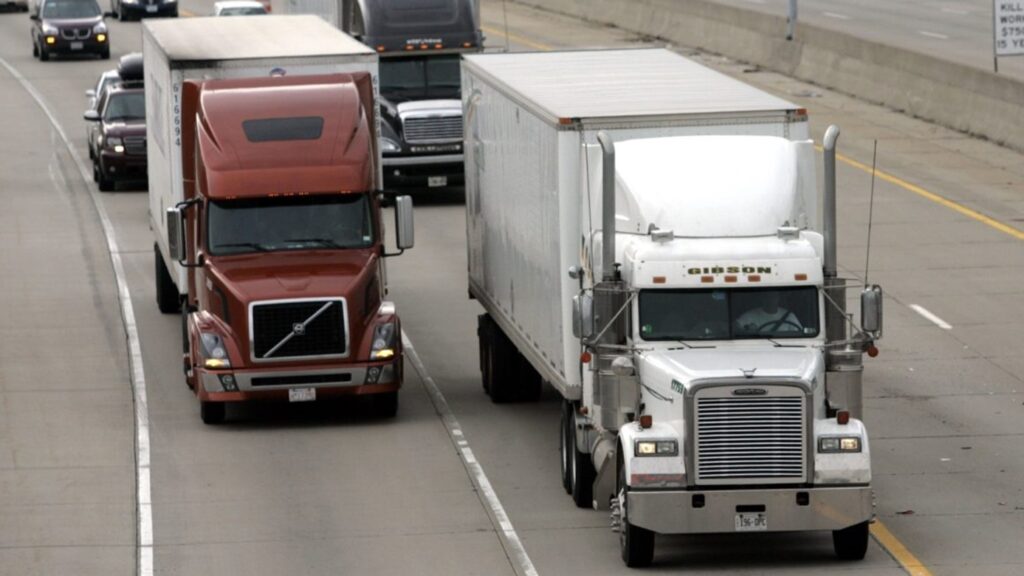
(504, 14)
(871, 212)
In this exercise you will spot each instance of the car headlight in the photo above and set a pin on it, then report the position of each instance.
(837, 444)
(215, 355)
(389, 145)
(49, 30)
(383, 346)
(656, 448)
(114, 143)
(99, 28)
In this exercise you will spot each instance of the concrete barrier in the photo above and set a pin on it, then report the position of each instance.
(968, 99)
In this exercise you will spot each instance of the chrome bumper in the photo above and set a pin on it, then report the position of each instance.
(672, 512)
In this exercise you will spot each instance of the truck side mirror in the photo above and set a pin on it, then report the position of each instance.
(176, 234)
(871, 311)
(582, 316)
(403, 222)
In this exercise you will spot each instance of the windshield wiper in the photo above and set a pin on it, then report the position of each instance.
(781, 345)
(689, 346)
(329, 242)
(253, 245)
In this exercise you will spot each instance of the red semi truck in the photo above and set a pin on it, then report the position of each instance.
(275, 246)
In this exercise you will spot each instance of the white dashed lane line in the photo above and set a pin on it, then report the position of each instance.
(931, 317)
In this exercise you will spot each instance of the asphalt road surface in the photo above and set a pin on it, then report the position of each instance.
(324, 490)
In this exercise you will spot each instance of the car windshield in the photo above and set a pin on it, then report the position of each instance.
(66, 9)
(416, 78)
(727, 314)
(289, 223)
(125, 106)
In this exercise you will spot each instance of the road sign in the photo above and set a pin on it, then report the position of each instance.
(1009, 27)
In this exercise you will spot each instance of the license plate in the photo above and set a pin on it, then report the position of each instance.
(435, 181)
(301, 394)
(151, 9)
(751, 521)
(76, 45)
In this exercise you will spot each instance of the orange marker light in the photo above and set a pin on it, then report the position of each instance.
(381, 48)
(800, 277)
(438, 46)
(707, 279)
(658, 280)
(754, 278)
(646, 421)
(467, 44)
(872, 351)
(730, 279)
(843, 417)
(585, 357)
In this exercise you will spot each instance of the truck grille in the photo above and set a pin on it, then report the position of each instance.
(425, 129)
(298, 329)
(751, 439)
(135, 145)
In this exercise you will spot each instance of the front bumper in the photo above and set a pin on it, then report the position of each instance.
(143, 9)
(423, 171)
(63, 46)
(673, 511)
(274, 384)
(123, 166)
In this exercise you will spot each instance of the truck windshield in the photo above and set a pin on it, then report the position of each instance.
(727, 314)
(290, 223)
(404, 79)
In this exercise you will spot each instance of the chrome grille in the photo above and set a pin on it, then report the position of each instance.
(298, 329)
(76, 33)
(426, 129)
(751, 439)
(135, 145)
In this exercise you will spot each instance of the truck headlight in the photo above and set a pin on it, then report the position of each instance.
(389, 145)
(215, 355)
(656, 448)
(837, 444)
(383, 346)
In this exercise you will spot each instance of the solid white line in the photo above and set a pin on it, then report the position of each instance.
(509, 539)
(933, 34)
(931, 317)
(142, 470)
(836, 15)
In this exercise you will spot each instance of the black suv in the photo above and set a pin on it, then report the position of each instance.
(69, 27)
(126, 9)
(121, 136)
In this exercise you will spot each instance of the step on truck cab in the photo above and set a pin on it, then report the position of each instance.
(264, 197)
(419, 44)
(665, 259)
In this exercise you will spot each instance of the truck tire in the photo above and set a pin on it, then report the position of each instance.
(212, 412)
(582, 474)
(385, 405)
(565, 443)
(483, 334)
(635, 543)
(167, 298)
(502, 367)
(851, 543)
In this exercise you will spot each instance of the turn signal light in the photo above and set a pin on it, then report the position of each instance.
(707, 279)
(800, 277)
(658, 280)
(51, 40)
(101, 37)
(872, 351)
(646, 421)
(585, 357)
(843, 417)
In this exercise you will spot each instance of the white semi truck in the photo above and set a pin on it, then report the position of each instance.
(648, 236)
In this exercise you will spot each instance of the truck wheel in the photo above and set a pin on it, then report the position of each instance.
(483, 334)
(564, 443)
(385, 405)
(582, 473)
(502, 360)
(636, 543)
(167, 298)
(851, 543)
(212, 412)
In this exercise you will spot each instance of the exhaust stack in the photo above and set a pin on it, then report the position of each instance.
(831, 135)
(607, 207)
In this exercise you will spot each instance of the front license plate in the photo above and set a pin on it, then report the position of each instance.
(301, 394)
(76, 45)
(751, 521)
(151, 9)
(436, 181)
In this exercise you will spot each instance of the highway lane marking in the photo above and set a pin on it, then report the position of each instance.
(516, 38)
(836, 15)
(931, 317)
(933, 34)
(510, 541)
(955, 206)
(897, 550)
(144, 498)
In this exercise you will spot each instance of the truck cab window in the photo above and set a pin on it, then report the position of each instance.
(291, 223)
(719, 314)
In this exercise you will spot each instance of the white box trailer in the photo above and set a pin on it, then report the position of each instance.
(634, 220)
(176, 50)
(529, 117)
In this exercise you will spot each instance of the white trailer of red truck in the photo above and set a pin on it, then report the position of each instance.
(647, 235)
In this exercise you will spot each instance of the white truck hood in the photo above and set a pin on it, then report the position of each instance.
(685, 366)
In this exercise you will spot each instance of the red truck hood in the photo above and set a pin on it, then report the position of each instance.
(286, 275)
